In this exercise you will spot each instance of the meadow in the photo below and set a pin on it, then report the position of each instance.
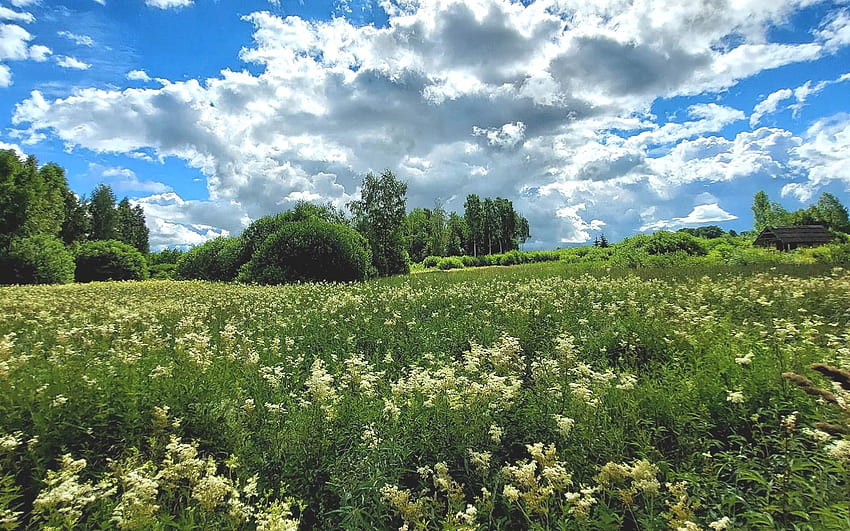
(542, 396)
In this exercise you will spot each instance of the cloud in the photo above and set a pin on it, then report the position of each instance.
(769, 105)
(124, 180)
(700, 215)
(82, 40)
(138, 75)
(168, 4)
(24, 3)
(546, 104)
(70, 62)
(5, 76)
(15, 16)
(825, 156)
(14, 42)
(39, 53)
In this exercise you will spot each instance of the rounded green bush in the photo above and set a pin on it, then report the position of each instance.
(430, 261)
(109, 260)
(218, 259)
(38, 259)
(450, 262)
(310, 250)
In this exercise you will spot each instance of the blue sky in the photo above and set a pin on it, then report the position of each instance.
(617, 116)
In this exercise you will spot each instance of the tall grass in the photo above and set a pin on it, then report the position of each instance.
(549, 395)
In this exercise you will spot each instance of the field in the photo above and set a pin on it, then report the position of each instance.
(535, 396)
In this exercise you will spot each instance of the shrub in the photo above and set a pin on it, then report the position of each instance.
(469, 261)
(36, 260)
(310, 250)
(450, 262)
(163, 271)
(109, 260)
(430, 261)
(218, 259)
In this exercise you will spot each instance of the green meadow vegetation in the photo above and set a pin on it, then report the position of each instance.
(542, 396)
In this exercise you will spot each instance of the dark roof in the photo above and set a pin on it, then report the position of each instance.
(795, 234)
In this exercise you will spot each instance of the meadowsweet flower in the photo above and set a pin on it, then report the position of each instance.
(511, 493)
(688, 526)
(467, 516)
(9, 519)
(137, 506)
(10, 442)
(790, 422)
(277, 517)
(480, 460)
(160, 418)
(816, 435)
(736, 397)
(745, 360)
(565, 424)
(59, 400)
(721, 524)
(249, 406)
(161, 372)
(839, 449)
(495, 433)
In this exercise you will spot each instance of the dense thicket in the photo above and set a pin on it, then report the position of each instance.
(109, 260)
(218, 259)
(311, 249)
(38, 259)
(36, 205)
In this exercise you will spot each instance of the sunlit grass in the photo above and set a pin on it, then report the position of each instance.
(548, 395)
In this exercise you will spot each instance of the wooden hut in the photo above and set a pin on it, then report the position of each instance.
(788, 238)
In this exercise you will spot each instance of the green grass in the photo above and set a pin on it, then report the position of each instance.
(419, 400)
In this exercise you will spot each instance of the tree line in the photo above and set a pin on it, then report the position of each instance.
(48, 234)
(487, 226)
(828, 211)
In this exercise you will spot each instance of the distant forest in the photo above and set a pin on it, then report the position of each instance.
(50, 235)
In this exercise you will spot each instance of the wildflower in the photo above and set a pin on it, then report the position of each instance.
(495, 433)
(248, 406)
(816, 435)
(511, 493)
(10, 442)
(840, 449)
(480, 460)
(565, 424)
(161, 372)
(744, 361)
(138, 501)
(160, 418)
(59, 400)
(721, 524)
(790, 422)
(736, 397)
(467, 516)
(277, 517)
(688, 526)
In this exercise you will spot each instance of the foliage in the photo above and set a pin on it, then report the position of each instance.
(103, 214)
(450, 262)
(522, 398)
(311, 249)
(165, 256)
(40, 259)
(109, 260)
(708, 232)
(828, 211)
(163, 271)
(379, 216)
(430, 261)
(218, 259)
(131, 228)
